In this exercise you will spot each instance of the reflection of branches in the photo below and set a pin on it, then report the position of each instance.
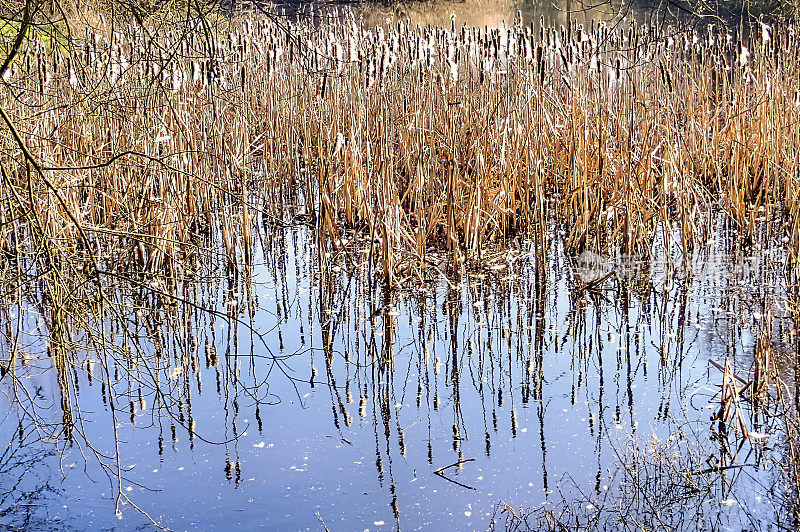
(440, 472)
(20, 494)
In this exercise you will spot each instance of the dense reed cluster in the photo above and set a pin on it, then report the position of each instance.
(417, 137)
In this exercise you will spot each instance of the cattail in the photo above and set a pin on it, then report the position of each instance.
(452, 62)
(73, 79)
(114, 72)
(351, 46)
(744, 56)
(384, 63)
(370, 73)
(339, 53)
(196, 75)
(766, 33)
(176, 78)
(340, 143)
(528, 50)
(453, 72)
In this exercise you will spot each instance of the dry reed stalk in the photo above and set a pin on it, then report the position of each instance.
(730, 409)
(765, 372)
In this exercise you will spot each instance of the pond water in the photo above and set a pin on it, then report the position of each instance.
(297, 393)
(328, 402)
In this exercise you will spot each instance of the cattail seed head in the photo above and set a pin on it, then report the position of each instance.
(744, 56)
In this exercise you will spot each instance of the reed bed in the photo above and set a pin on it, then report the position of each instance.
(419, 138)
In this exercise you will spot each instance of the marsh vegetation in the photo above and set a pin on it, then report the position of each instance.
(525, 274)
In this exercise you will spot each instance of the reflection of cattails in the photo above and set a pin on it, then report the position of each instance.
(211, 354)
(765, 370)
(513, 422)
(362, 407)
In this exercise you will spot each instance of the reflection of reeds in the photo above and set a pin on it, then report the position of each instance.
(765, 370)
(658, 485)
(730, 407)
(791, 461)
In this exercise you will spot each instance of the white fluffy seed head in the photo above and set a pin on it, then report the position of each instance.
(766, 33)
(73, 79)
(176, 79)
(339, 143)
(353, 52)
(453, 71)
